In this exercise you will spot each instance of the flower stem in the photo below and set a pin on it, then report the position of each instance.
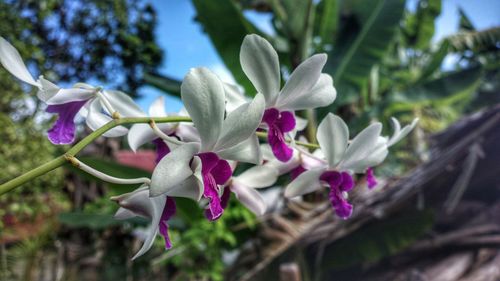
(59, 161)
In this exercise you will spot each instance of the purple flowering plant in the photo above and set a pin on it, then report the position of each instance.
(199, 148)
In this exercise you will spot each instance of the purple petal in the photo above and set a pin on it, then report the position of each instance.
(338, 183)
(63, 131)
(297, 171)
(279, 123)
(371, 180)
(342, 208)
(347, 182)
(278, 145)
(286, 121)
(168, 212)
(270, 115)
(226, 195)
(208, 161)
(222, 172)
(161, 149)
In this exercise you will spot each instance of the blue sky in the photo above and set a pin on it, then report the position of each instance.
(186, 46)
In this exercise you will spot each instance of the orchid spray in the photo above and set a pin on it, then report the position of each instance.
(199, 148)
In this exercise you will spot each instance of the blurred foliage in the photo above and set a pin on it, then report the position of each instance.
(108, 41)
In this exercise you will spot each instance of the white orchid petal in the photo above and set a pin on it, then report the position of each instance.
(96, 119)
(173, 169)
(191, 188)
(140, 134)
(123, 103)
(247, 151)
(260, 63)
(321, 94)
(157, 108)
(250, 198)
(374, 159)
(302, 80)
(361, 146)
(306, 182)
(240, 124)
(158, 204)
(12, 61)
(47, 90)
(123, 214)
(258, 177)
(234, 98)
(203, 95)
(300, 123)
(333, 136)
(399, 133)
(187, 133)
(70, 95)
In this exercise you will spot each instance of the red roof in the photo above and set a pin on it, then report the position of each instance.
(143, 159)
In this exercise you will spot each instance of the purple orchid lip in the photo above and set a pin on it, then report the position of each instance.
(279, 123)
(168, 212)
(371, 180)
(162, 149)
(297, 171)
(339, 182)
(63, 130)
(215, 172)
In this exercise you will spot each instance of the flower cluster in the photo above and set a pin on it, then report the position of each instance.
(197, 160)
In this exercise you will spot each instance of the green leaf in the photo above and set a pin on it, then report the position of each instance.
(94, 221)
(377, 240)
(327, 18)
(465, 23)
(421, 25)
(226, 26)
(435, 61)
(166, 84)
(452, 87)
(357, 51)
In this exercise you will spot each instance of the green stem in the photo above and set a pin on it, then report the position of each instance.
(59, 161)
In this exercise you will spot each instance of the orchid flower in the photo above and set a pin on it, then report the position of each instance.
(306, 88)
(200, 169)
(140, 134)
(344, 159)
(397, 135)
(68, 102)
(158, 209)
(244, 185)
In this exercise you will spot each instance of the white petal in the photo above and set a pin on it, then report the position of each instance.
(241, 123)
(234, 98)
(47, 90)
(140, 134)
(321, 94)
(157, 108)
(306, 182)
(203, 96)
(249, 197)
(96, 119)
(173, 169)
(70, 95)
(12, 61)
(333, 136)
(158, 204)
(123, 214)
(260, 63)
(400, 134)
(374, 159)
(187, 132)
(258, 177)
(191, 188)
(361, 146)
(247, 151)
(300, 123)
(123, 103)
(302, 80)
